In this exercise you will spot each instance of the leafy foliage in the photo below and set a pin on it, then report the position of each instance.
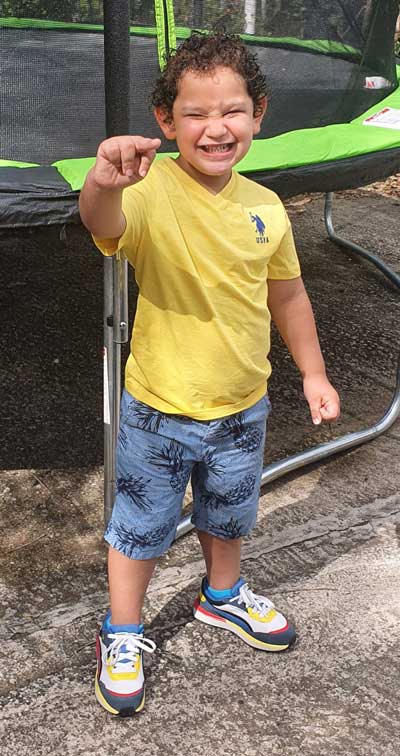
(79, 11)
(233, 16)
(56, 10)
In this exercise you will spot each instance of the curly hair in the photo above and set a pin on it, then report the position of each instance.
(202, 53)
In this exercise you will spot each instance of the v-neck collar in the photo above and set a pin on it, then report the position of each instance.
(192, 185)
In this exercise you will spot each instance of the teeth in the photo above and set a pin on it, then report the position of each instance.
(217, 148)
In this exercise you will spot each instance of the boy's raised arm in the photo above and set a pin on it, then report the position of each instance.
(120, 162)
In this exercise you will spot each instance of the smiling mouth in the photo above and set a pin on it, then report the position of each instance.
(212, 149)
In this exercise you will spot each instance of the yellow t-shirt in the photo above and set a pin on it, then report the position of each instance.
(201, 336)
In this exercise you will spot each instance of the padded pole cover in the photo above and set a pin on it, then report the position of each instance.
(116, 76)
(116, 66)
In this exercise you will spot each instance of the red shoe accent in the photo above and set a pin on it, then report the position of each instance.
(199, 608)
(98, 654)
(124, 695)
(281, 630)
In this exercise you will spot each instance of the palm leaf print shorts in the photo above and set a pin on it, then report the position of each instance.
(157, 455)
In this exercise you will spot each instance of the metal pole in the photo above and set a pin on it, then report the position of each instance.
(116, 83)
(355, 248)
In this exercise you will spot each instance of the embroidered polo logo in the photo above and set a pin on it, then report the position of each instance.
(261, 237)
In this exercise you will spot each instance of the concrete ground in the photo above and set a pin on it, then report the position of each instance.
(325, 549)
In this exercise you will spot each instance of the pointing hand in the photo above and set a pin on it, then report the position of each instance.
(123, 160)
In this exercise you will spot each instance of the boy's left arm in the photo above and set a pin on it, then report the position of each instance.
(291, 311)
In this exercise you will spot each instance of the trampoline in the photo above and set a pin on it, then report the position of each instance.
(70, 80)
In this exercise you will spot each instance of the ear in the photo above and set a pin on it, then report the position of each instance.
(167, 127)
(257, 120)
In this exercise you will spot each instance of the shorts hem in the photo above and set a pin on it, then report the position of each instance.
(136, 552)
(220, 532)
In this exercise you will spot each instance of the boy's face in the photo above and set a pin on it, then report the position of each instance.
(213, 124)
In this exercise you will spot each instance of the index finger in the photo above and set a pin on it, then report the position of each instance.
(144, 144)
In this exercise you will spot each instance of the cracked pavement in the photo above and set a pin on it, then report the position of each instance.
(325, 548)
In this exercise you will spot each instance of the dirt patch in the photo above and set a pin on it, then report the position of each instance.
(388, 188)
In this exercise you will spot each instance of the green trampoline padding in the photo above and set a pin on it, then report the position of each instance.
(17, 164)
(167, 26)
(321, 46)
(289, 150)
(44, 24)
(74, 170)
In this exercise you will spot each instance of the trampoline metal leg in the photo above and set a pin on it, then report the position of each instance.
(348, 441)
(355, 248)
(108, 389)
(115, 334)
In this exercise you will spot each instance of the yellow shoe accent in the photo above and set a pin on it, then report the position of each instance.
(254, 641)
(140, 707)
(101, 698)
(123, 675)
(255, 615)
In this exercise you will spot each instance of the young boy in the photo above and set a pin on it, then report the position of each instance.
(208, 247)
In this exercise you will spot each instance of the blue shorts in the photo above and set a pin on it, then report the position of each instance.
(157, 455)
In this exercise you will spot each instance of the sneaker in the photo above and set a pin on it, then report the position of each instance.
(119, 682)
(253, 618)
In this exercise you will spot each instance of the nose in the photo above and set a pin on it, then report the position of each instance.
(216, 127)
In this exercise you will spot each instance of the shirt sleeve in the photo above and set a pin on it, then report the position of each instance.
(284, 263)
(136, 209)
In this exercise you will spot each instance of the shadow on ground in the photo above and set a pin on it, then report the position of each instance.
(325, 548)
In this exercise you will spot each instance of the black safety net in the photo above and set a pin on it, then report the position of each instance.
(326, 61)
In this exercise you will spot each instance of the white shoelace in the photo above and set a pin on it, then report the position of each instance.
(260, 604)
(132, 644)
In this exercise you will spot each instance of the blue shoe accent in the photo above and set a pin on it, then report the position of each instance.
(225, 595)
(109, 628)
